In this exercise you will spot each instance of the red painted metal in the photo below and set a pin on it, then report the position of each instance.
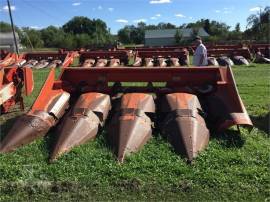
(12, 80)
(131, 124)
(130, 127)
(82, 122)
(66, 58)
(229, 52)
(106, 55)
(182, 55)
(9, 60)
(183, 124)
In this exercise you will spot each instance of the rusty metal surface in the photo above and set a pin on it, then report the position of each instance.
(26, 129)
(212, 61)
(162, 62)
(137, 62)
(182, 119)
(30, 63)
(35, 124)
(42, 64)
(89, 63)
(101, 62)
(28, 81)
(131, 127)
(82, 122)
(183, 124)
(13, 79)
(240, 60)
(114, 62)
(225, 61)
(54, 64)
(175, 62)
(149, 62)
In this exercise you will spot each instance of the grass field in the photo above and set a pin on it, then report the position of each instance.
(233, 168)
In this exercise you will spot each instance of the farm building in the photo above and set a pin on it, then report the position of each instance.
(7, 41)
(166, 37)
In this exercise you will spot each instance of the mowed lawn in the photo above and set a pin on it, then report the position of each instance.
(233, 168)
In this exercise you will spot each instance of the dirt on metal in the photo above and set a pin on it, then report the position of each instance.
(82, 122)
(131, 127)
(183, 124)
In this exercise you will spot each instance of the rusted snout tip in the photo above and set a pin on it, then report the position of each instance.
(76, 130)
(130, 135)
(26, 129)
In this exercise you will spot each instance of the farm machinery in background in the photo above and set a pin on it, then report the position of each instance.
(40, 60)
(13, 79)
(222, 55)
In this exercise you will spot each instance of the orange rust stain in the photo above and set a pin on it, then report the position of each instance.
(182, 99)
(132, 100)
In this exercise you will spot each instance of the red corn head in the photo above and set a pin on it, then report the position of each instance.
(35, 123)
(131, 128)
(82, 122)
(184, 125)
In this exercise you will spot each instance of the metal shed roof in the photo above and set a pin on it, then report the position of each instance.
(6, 38)
(170, 33)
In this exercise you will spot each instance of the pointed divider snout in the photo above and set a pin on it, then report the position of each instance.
(130, 127)
(35, 124)
(183, 125)
(82, 122)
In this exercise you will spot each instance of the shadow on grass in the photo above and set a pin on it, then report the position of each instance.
(229, 139)
(262, 122)
(50, 141)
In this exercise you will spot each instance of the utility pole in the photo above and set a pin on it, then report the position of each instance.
(13, 29)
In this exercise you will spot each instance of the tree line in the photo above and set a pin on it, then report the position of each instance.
(88, 33)
(257, 29)
(77, 33)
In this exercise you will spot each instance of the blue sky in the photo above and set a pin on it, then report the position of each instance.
(118, 13)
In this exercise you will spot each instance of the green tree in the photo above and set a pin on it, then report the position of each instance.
(258, 25)
(237, 27)
(34, 36)
(124, 35)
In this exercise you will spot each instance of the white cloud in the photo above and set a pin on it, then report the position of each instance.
(160, 1)
(155, 17)
(5, 8)
(99, 8)
(217, 11)
(76, 4)
(35, 27)
(255, 9)
(122, 21)
(226, 12)
(179, 15)
(191, 18)
(111, 9)
(139, 20)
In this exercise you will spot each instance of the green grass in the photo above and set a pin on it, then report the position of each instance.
(233, 167)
